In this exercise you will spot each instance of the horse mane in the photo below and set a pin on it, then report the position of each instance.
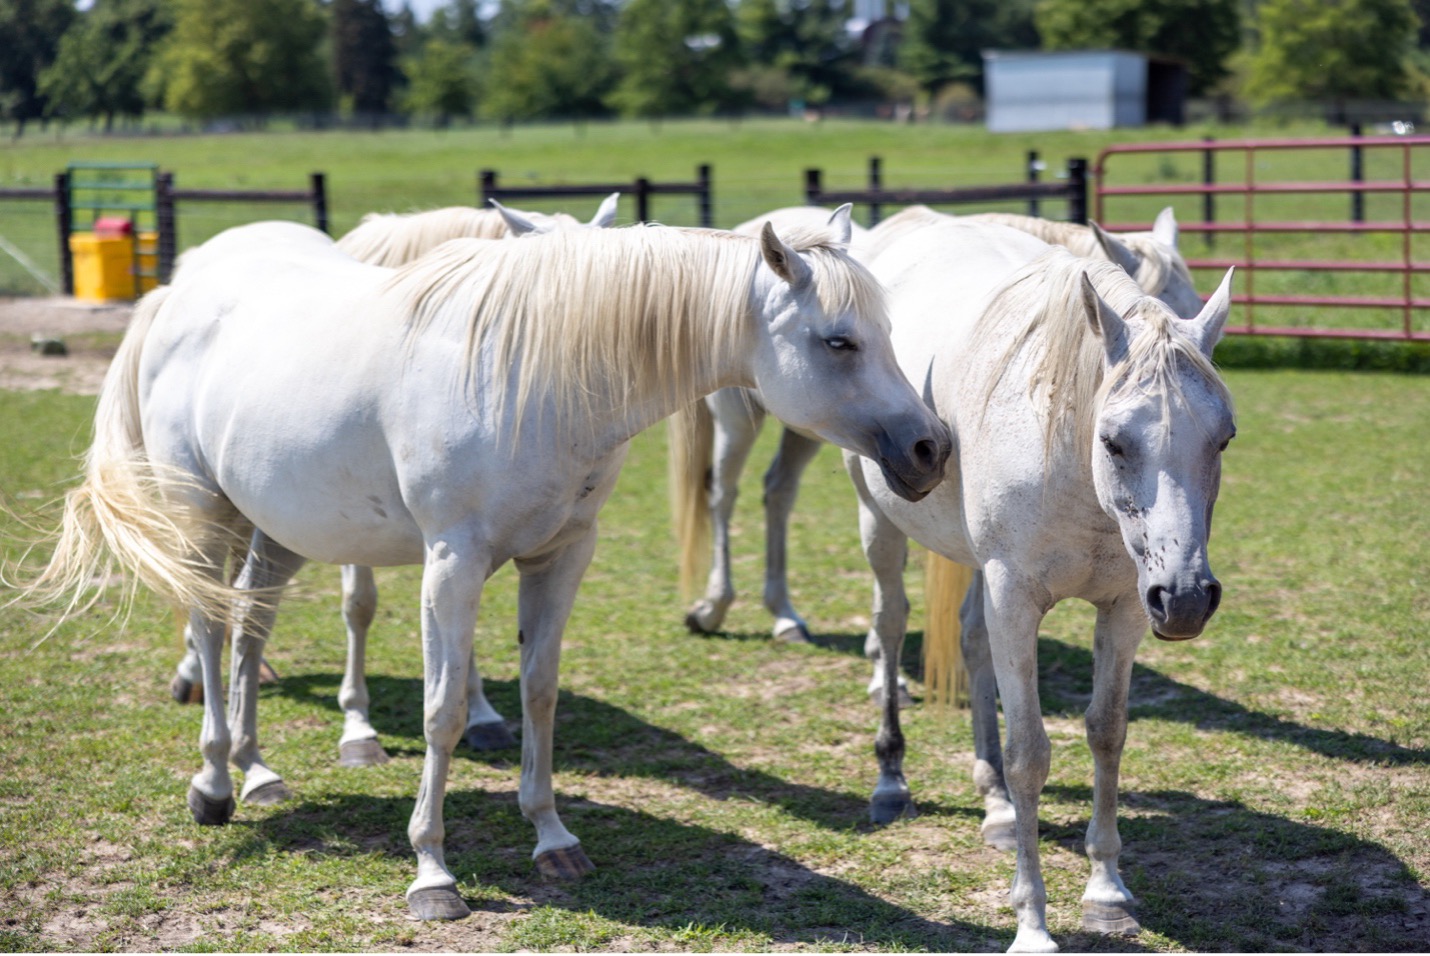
(614, 315)
(1157, 264)
(395, 239)
(1039, 313)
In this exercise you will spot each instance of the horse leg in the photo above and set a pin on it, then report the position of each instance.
(210, 796)
(886, 548)
(358, 746)
(998, 814)
(453, 574)
(781, 486)
(268, 566)
(1108, 906)
(187, 687)
(548, 590)
(737, 425)
(1013, 620)
(486, 729)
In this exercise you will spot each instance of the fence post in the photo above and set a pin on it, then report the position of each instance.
(64, 222)
(876, 183)
(642, 199)
(486, 185)
(1077, 190)
(702, 179)
(812, 187)
(1208, 198)
(166, 224)
(1034, 167)
(1357, 175)
(318, 185)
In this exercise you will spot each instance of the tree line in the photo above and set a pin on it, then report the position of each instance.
(516, 60)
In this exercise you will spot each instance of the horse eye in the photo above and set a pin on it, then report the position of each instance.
(1113, 449)
(840, 343)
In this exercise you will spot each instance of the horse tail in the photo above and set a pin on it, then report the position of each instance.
(945, 583)
(127, 513)
(691, 436)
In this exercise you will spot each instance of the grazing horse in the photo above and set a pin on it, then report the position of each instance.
(725, 440)
(1088, 427)
(388, 240)
(478, 414)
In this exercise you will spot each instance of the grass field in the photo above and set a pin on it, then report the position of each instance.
(1276, 785)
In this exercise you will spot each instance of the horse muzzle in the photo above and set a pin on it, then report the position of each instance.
(1179, 611)
(913, 459)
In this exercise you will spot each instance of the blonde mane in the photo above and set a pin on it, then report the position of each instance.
(600, 319)
(1039, 311)
(395, 239)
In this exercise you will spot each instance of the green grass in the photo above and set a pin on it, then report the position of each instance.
(1275, 789)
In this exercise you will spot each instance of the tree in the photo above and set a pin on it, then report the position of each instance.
(547, 65)
(441, 82)
(30, 32)
(1203, 33)
(364, 55)
(102, 59)
(460, 21)
(243, 58)
(944, 40)
(1353, 49)
(803, 40)
(674, 56)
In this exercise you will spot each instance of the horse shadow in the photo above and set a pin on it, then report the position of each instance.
(603, 740)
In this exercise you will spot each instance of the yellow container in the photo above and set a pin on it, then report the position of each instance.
(104, 266)
(148, 261)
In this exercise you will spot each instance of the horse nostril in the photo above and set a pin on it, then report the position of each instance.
(1213, 590)
(925, 454)
(1156, 602)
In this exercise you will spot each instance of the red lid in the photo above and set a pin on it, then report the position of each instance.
(113, 226)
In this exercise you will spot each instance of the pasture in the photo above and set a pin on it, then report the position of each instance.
(1275, 789)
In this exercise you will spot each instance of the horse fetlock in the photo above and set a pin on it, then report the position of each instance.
(1032, 939)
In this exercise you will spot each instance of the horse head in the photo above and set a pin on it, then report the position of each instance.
(827, 367)
(1162, 422)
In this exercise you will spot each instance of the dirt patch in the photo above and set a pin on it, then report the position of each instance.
(90, 332)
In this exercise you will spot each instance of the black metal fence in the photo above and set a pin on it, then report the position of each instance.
(641, 189)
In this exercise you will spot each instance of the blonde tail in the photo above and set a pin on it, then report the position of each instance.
(690, 457)
(945, 583)
(126, 512)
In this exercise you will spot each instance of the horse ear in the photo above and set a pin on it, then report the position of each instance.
(607, 213)
(1206, 328)
(1115, 250)
(840, 222)
(1164, 230)
(1106, 324)
(516, 223)
(783, 260)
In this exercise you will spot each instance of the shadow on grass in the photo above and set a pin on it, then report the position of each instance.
(651, 872)
(1065, 674)
(1218, 876)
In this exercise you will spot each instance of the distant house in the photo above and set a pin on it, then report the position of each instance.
(1081, 89)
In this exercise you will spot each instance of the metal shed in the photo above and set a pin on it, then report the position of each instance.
(1081, 89)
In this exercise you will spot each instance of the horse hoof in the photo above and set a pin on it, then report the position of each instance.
(493, 735)
(361, 753)
(1109, 919)
(208, 812)
(266, 673)
(268, 794)
(798, 634)
(1033, 941)
(1000, 836)
(884, 810)
(438, 902)
(693, 625)
(186, 691)
(567, 863)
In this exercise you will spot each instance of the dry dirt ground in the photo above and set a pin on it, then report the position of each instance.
(90, 332)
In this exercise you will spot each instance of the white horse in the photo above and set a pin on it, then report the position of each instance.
(387, 240)
(1088, 427)
(479, 413)
(737, 415)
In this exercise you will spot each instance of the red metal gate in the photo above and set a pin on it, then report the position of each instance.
(1265, 270)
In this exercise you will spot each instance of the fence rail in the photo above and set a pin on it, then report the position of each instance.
(1252, 259)
(641, 188)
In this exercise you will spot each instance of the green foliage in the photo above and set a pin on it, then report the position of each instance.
(1204, 33)
(804, 42)
(1352, 49)
(674, 57)
(364, 55)
(103, 58)
(30, 32)
(243, 58)
(547, 64)
(944, 39)
(442, 82)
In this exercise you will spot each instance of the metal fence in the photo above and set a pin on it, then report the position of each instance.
(640, 189)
